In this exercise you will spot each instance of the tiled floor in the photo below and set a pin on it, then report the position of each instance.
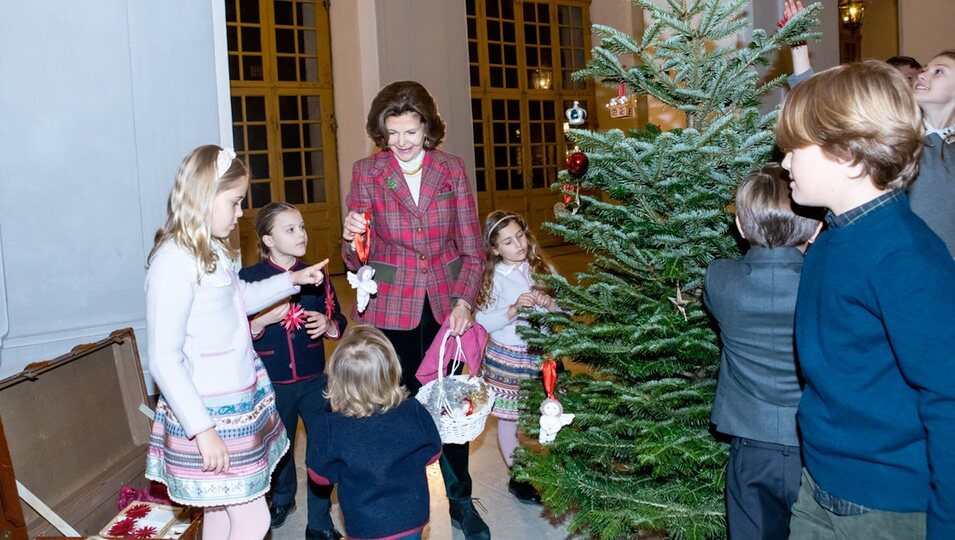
(507, 518)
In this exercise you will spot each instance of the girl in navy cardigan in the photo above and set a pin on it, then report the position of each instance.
(289, 339)
(376, 443)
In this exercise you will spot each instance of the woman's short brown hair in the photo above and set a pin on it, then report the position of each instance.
(364, 374)
(765, 212)
(405, 97)
(862, 114)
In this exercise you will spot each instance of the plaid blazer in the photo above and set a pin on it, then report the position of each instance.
(432, 248)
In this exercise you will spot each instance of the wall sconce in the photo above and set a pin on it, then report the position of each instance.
(851, 12)
(542, 79)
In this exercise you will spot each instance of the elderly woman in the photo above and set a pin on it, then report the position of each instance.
(425, 246)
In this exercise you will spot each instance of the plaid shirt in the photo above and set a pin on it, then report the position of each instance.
(432, 248)
(851, 216)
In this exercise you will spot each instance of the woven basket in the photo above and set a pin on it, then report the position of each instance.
(456, 430)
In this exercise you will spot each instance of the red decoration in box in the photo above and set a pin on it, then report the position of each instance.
(577, 164)
(138, 511)
(123, 528)
(145, 532)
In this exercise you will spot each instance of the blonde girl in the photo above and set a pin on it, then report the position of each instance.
(376, 443)
(512, 256)
(216, 436)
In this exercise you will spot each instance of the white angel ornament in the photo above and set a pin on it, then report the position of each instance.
(552, 419)
(365, 286)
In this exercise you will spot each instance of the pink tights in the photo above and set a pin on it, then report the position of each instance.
(247, 521)
(507, 439)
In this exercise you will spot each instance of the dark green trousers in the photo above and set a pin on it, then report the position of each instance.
(810, 521)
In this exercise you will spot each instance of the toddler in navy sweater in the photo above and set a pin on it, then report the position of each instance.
(375, 443)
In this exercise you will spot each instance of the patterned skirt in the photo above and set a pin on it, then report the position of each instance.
(504, 368)
(252, 431)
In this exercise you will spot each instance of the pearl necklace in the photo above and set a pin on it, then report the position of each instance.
(414, 171)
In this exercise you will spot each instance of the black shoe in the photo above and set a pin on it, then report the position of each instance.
(465, 518)
(524, 492)
(329, 534)
(279, 513)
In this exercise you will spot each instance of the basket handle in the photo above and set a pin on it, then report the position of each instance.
(458, 354)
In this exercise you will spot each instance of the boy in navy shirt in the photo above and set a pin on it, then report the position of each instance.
(875, 316)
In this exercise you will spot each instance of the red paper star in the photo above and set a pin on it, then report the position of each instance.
(295, 318)
(145, 532)
(123, 527)
(138, 511)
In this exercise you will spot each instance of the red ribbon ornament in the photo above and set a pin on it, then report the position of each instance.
(363, 248)
(549, 368)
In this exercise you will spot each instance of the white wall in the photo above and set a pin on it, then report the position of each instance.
(925, 28)
(880, 30)
(99, 103)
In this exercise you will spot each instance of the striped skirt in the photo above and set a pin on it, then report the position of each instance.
(252, 431)
(504, 368)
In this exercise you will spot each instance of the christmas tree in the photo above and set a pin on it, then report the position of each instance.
(653, 212)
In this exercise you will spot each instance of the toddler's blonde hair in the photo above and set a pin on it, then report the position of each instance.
(364, 374)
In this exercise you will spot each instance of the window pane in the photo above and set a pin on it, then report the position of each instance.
(255, 109)
(252, 68)
(286, 68)
(251, 39)
(316, 190)
(261, 194)
(313, 137)
(238, 138)
(258, 138)
(283, 13)
(259, 166)
(249, 11)
(290, 136)
(292, 163)
(294, 194)
(234, 73)
(288, 107)
(315, 163)
(308, 69)
(232, 36)
(284, 40)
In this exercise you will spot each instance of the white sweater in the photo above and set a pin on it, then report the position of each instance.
(198, 332)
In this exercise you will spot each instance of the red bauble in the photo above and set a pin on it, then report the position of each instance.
(577, 164)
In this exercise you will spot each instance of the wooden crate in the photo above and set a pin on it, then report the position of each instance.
(75, 435)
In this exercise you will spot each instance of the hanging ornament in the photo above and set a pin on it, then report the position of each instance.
(576, 115)
(577, 164)
(622, 106)
(680, 302)
(552, 412)
(363, 280)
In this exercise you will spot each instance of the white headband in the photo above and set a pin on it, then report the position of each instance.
(224, 161)
(490, 231)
